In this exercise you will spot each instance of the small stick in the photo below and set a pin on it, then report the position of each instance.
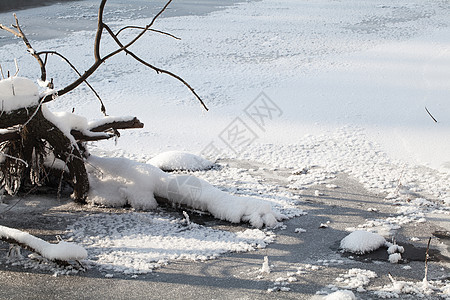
(17, 67)
(430, 115)
(1, 72)
(426, 260)
(391, 278)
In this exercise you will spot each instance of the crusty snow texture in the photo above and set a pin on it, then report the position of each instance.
(120, 181)
(361, 241)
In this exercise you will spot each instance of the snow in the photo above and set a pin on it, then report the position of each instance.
(107, 119)
(355, 278)
(418, 289)
(139, 242)
(179, 160)
(395, 258)
(61, 251)
(350, 83)
(361, 241)
(120, 181)
(395, 248)
(265, 266)
(341, 295)
(18, 92)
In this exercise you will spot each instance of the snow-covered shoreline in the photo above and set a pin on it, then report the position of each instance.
(345, 85)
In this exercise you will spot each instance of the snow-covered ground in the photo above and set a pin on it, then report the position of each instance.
(313, 88)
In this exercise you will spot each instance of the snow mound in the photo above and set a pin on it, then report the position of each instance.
(137, 243)
(178, 160)
(395, 258)
(341, 295)
(120, 181)
(361, 242)
(18, 92)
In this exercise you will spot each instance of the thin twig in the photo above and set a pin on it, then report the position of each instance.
(103, 108)
(17, 67)
(426, 259)
(430, 115)
(391, 278)
(98, 59)
(158, 70)
(153, 30)
(21, 34)
(33, 115)
(15, 158)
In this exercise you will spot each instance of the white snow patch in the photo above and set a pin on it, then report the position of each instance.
(18, 92)
(395, 249)
(178, 160)
(265, 266)
(355, 278)
(341, 295)
(135, 243)
(361, 242)
(395, 258)
(420, 289)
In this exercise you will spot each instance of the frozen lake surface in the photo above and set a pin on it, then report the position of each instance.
(60, 19)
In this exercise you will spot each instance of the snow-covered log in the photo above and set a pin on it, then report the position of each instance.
(30, 133)
(123, 181)
(105, 128)
(63, 251)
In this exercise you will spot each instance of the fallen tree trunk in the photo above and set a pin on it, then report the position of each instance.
(29, 137)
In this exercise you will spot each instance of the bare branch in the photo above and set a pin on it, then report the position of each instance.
(103, 109)
(152, 30)
(98, 35)
(98, 59)
(126, 124)
(97, 136)
(158, 14)
(15, 158)
(158, 70)
(21, 34)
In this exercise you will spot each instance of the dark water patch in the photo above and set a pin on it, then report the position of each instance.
(411, 253)
(52, 19)
(13, 5)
